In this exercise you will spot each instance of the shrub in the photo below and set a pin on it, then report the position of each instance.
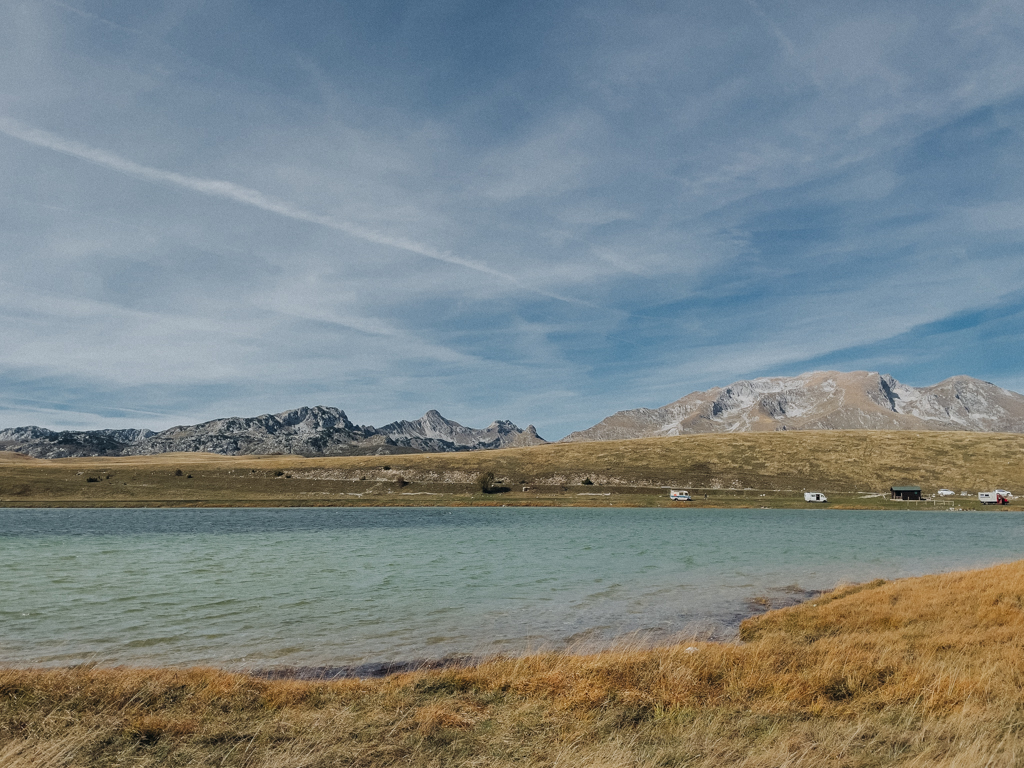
(485, 482)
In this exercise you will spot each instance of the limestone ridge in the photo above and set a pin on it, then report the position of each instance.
(315, 431)
(527, 438)
(819, 400)
(822, 400)
(433, 432)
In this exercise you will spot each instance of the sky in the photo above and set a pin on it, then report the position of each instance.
(537, 211)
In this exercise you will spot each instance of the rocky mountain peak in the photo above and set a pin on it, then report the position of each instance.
(317, 417)
(310, 430)
(527, 438)
(823, 400)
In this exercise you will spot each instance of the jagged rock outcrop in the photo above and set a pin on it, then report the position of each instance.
(822, 400)
(318, 430)
(526, 438)
(433, 432)
(46, 443)
(310, 431)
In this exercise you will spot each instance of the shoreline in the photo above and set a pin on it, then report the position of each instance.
(918, 671)
(459, 501)
(715, 631)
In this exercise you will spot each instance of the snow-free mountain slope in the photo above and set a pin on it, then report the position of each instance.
(311, 431)
(822, 400)
(433, 432)
(819, 400)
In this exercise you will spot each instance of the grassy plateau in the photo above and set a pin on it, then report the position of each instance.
(750, 469)
(919, 672)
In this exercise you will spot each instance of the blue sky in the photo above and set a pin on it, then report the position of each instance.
(544, 212)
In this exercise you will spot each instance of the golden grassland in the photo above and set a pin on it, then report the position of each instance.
(919, 672)
(745, 469)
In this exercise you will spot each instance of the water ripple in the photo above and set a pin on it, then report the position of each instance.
(349, 589)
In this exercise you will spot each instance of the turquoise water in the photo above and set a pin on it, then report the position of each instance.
(252, 588)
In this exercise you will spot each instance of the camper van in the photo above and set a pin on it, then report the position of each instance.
(679, 495)
(815, 497)
(994, 497)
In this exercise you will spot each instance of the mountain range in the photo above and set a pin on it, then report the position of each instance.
(822, 400)
(818, 400)
(309, 431)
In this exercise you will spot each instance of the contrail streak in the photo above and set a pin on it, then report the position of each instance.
(227, 190)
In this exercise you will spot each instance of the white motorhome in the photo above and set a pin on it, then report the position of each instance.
(815, 497)
(679, 495)
(994, 497)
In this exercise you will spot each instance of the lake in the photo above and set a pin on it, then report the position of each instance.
(261, 588)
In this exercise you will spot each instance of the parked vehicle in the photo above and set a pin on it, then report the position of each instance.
(679, 495)
(815, 497)
(994, 497)
(946, 492)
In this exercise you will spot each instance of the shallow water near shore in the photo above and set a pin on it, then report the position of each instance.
(350, 589)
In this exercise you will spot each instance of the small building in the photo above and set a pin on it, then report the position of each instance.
(906, 492)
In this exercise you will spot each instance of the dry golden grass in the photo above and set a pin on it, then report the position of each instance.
(633, 471)
(921, 672)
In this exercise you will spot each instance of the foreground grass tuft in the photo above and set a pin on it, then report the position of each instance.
(921, 672)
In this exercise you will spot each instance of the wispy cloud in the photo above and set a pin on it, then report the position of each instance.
(227, 190)
(97, 19)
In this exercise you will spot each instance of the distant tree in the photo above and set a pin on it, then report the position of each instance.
(485, 482)
(587, 481)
